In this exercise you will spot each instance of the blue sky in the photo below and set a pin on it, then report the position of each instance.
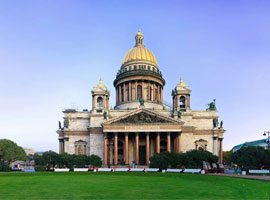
(52, 53)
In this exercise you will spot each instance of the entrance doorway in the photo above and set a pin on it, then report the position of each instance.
(142, 156)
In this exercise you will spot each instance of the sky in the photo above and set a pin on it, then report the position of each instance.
(52, 54)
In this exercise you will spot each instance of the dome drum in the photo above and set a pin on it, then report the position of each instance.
(139, 78)
(140, 72)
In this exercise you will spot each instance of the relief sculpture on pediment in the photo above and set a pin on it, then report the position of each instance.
(142, 118)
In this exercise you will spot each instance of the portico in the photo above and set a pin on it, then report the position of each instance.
(149, 133)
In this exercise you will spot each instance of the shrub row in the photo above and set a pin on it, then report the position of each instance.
(51, 159)
(191, 159)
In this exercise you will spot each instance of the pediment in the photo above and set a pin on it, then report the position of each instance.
(142, 116)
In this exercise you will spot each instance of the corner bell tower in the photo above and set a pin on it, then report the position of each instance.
(181, 97)
(100, 98)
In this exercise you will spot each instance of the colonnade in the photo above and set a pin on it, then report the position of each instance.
(129, 91)
(138, 135)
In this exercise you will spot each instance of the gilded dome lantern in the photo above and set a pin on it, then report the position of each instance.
(139, 78)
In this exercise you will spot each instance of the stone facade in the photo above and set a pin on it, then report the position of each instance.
(140, 125)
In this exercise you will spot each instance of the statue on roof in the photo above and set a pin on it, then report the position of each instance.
(105, 114)
(141, 102)
(215, 123)
(179, 114)
(66, 123)
(59, 124)
(221, 124)
(212, 106)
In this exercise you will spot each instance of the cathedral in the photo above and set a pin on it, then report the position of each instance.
(141, 123)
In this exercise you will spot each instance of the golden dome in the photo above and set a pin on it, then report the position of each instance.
(101, 84)
(181, 85)
(139, 52)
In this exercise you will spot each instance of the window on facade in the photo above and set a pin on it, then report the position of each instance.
(135, 67)
(80, 147)
(201, 148)
(100, 102)
(156, 94)
(139, 92)
(182, 102)
(148, 67)
(129, 68)
(122, 94)
(150, 93)
(127, 93)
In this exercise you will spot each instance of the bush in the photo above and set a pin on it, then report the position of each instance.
(195, 158)
(51, 159)
(165, 160)
(4, 167)
(191, 159)
(160, 161)
(95, 161)
(40, 168)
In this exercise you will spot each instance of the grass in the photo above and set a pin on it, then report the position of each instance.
(127, 185)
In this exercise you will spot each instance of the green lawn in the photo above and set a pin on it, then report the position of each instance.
(90, 185)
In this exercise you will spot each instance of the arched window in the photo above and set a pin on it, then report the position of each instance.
(150, 93)
(156, 94)
(100, 102)
(182, 102)
(139, 92)
(80, 147)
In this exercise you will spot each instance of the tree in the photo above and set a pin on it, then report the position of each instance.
(95, 161)
(251, 157)
(66, 160)
(4, 167)
(10, 151)
(190, 159)
(196, 158)
(227, 157)
(50, 159)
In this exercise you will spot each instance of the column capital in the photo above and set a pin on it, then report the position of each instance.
(137, 133)
(126, 133)
(158, 133)
(147, 133)
(168, 133)
(115, 134)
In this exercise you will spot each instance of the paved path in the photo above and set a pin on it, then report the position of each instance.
(253, 177)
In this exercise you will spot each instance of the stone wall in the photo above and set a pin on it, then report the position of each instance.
(70, 146)
(97, 145)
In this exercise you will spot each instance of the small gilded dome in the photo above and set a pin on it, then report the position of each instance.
(100, 86)
(181, 85)
(139, 52)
